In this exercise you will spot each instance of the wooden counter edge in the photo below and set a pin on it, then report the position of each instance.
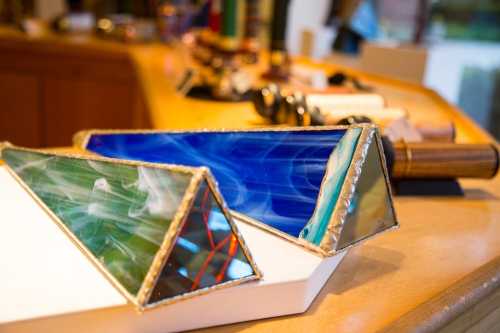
(457, 308)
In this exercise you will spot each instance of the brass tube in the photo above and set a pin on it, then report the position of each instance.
(445, 160)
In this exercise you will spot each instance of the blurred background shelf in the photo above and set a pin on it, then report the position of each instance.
(51, 87)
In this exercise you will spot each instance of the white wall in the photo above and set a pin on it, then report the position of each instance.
(48, 9)
(447, 59)
(309, 14)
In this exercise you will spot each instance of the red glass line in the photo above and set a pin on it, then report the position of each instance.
(233, 248)
(205, 216)
(207, 261)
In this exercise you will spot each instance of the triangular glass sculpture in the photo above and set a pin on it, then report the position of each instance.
(123, 215)
(206, 253)
(293, 182)
(370, 210)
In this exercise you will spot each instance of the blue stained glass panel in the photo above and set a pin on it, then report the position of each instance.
(271, 176)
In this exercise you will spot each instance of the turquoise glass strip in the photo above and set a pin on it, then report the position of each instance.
(370, 210)
(335, 174)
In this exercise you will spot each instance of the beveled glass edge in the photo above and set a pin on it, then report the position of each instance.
(199, 292)
(81, 139)
(207, 176)
(214, 187)
(370, 135)
(324, 182)
(335, 225)
(95, 157)
(168, 242)
(139, 300)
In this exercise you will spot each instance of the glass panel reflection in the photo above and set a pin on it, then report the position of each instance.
(370, 210)
(206, 253)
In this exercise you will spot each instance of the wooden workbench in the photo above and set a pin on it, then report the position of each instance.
(440, 270)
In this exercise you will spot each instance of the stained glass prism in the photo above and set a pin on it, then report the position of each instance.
(205, 254)
(370, 210)
(299, 183)
(159, 233)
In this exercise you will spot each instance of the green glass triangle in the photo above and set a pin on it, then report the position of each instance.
(119, 212)
(207, 252)
(370, 210)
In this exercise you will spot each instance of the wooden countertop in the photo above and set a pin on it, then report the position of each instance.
(391, 282)
(383, 282)
(441, 268)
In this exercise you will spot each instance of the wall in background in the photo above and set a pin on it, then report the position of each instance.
(309, 15)
(48, 9)
(448, 59)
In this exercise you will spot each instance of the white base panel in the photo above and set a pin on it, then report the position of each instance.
(48, 285)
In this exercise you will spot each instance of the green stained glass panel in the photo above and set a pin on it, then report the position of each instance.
(119, 212)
